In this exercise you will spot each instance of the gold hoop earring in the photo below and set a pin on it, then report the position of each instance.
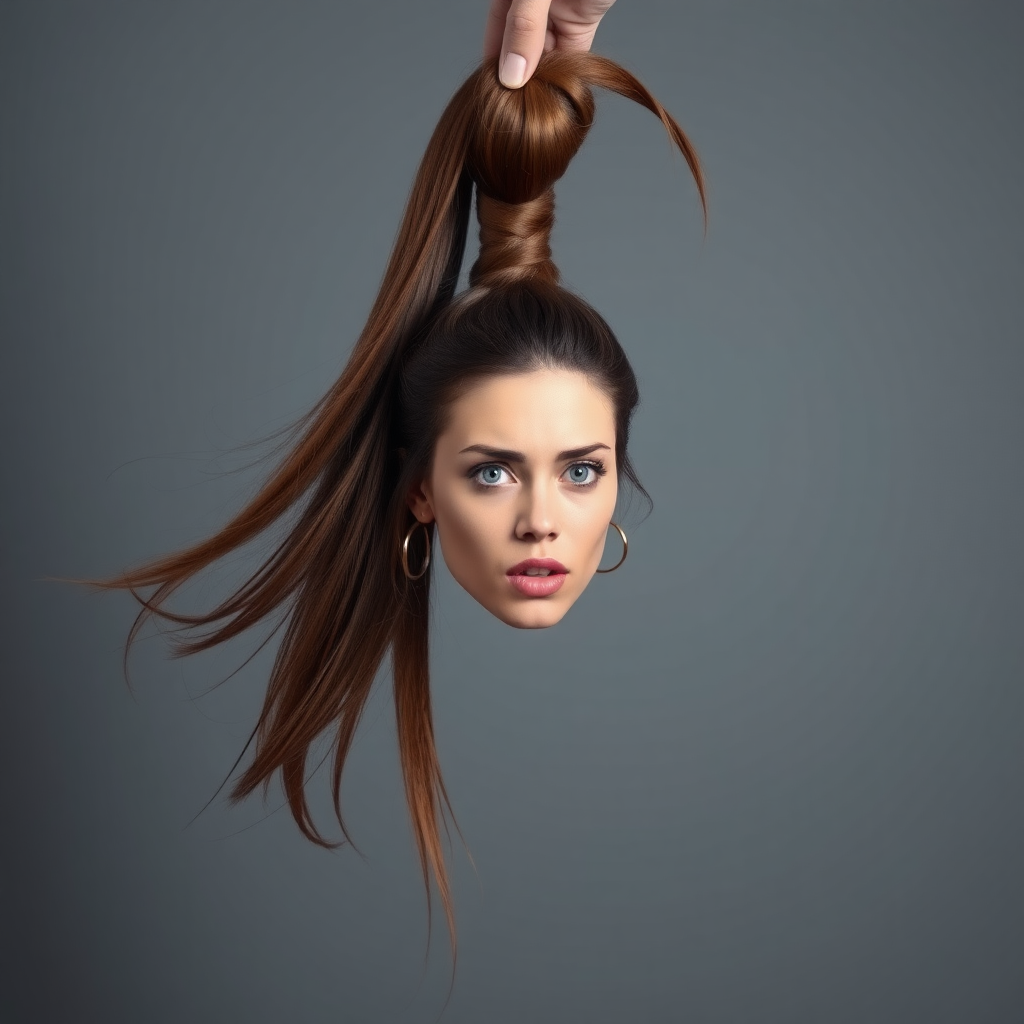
(625, 549)
(405, 551)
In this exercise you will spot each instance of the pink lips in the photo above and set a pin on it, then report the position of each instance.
(537, 586)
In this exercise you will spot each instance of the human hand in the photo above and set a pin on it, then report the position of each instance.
(520, 31)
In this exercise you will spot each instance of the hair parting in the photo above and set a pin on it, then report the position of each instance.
(335, 577)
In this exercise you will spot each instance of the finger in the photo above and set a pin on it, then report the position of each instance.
(494, 31)
(575, 38)
(526, 26)
(575, 29)
(575, 41)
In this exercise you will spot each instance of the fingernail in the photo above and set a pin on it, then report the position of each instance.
(513, 71)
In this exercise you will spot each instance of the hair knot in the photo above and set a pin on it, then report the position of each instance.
(514, 241)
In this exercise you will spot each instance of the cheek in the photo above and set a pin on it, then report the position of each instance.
(471, 531)
(594, 525)
(593, 535)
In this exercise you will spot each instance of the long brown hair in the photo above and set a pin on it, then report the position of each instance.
(337, 571)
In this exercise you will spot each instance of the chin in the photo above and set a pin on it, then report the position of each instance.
(531, 614)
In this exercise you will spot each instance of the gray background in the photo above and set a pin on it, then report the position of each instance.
(768, 771)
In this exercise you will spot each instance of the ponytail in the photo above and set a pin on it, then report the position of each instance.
(338, 570)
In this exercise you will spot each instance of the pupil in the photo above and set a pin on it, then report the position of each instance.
(492, 474)
(580, 472)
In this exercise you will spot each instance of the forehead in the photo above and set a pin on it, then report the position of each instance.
(539, 412)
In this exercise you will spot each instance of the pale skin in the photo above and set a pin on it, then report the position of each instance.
(516, 475)
(518, 32)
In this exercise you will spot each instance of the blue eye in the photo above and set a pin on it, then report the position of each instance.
(489, 476)
(584, 474)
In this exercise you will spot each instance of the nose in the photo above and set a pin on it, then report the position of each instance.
(536, 519)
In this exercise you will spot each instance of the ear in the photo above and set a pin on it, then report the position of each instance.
(420, 500)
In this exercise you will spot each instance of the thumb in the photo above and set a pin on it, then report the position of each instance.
(523, 45)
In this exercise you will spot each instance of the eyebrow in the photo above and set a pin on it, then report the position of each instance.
(507, 455)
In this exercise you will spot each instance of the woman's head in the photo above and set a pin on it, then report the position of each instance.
(509, 360)
(521, 485)
(515, 414)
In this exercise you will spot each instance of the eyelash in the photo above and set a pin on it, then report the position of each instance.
(595, 464)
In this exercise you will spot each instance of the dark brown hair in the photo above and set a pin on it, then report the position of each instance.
(337, 571)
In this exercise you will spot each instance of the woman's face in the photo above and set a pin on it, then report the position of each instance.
(522, 488)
